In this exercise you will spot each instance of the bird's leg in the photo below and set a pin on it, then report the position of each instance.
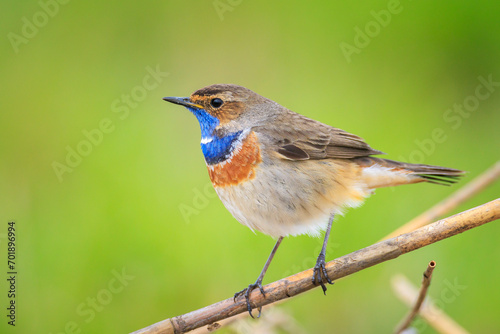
(319, 273)
(258, 282)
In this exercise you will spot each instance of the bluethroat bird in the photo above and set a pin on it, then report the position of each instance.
(283, 174)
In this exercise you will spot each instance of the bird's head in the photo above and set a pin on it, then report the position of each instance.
(226, 108)
(226, 113)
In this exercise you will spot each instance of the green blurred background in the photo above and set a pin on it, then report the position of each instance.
(138, 203)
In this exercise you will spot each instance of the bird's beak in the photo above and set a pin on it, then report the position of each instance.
(183, 101)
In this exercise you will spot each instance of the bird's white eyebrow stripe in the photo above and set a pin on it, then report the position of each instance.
(206, 140)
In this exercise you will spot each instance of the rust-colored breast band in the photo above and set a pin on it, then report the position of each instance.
(240, 167)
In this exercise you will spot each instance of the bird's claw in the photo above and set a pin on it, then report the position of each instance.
(246, 292)
(320, 274)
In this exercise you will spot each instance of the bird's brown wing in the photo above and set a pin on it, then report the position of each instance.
(299, 138)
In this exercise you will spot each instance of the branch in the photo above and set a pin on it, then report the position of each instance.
(450, 203)
(426, 281)
(340, 267)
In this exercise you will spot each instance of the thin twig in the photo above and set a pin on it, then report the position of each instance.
(426, 281)
(433, 315)
(450, 203)
(340, 267)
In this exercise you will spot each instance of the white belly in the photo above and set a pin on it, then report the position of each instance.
(294, 198)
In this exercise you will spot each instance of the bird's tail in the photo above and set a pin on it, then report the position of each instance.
(378, 173)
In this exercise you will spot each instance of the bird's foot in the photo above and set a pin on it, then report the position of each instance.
(319, 274)
(247, 291)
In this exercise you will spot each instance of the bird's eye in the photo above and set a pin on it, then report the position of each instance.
(216, 103)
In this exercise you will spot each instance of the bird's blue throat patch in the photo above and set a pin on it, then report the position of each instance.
(215, 149)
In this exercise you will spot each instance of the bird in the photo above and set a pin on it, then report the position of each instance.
(283, 174)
